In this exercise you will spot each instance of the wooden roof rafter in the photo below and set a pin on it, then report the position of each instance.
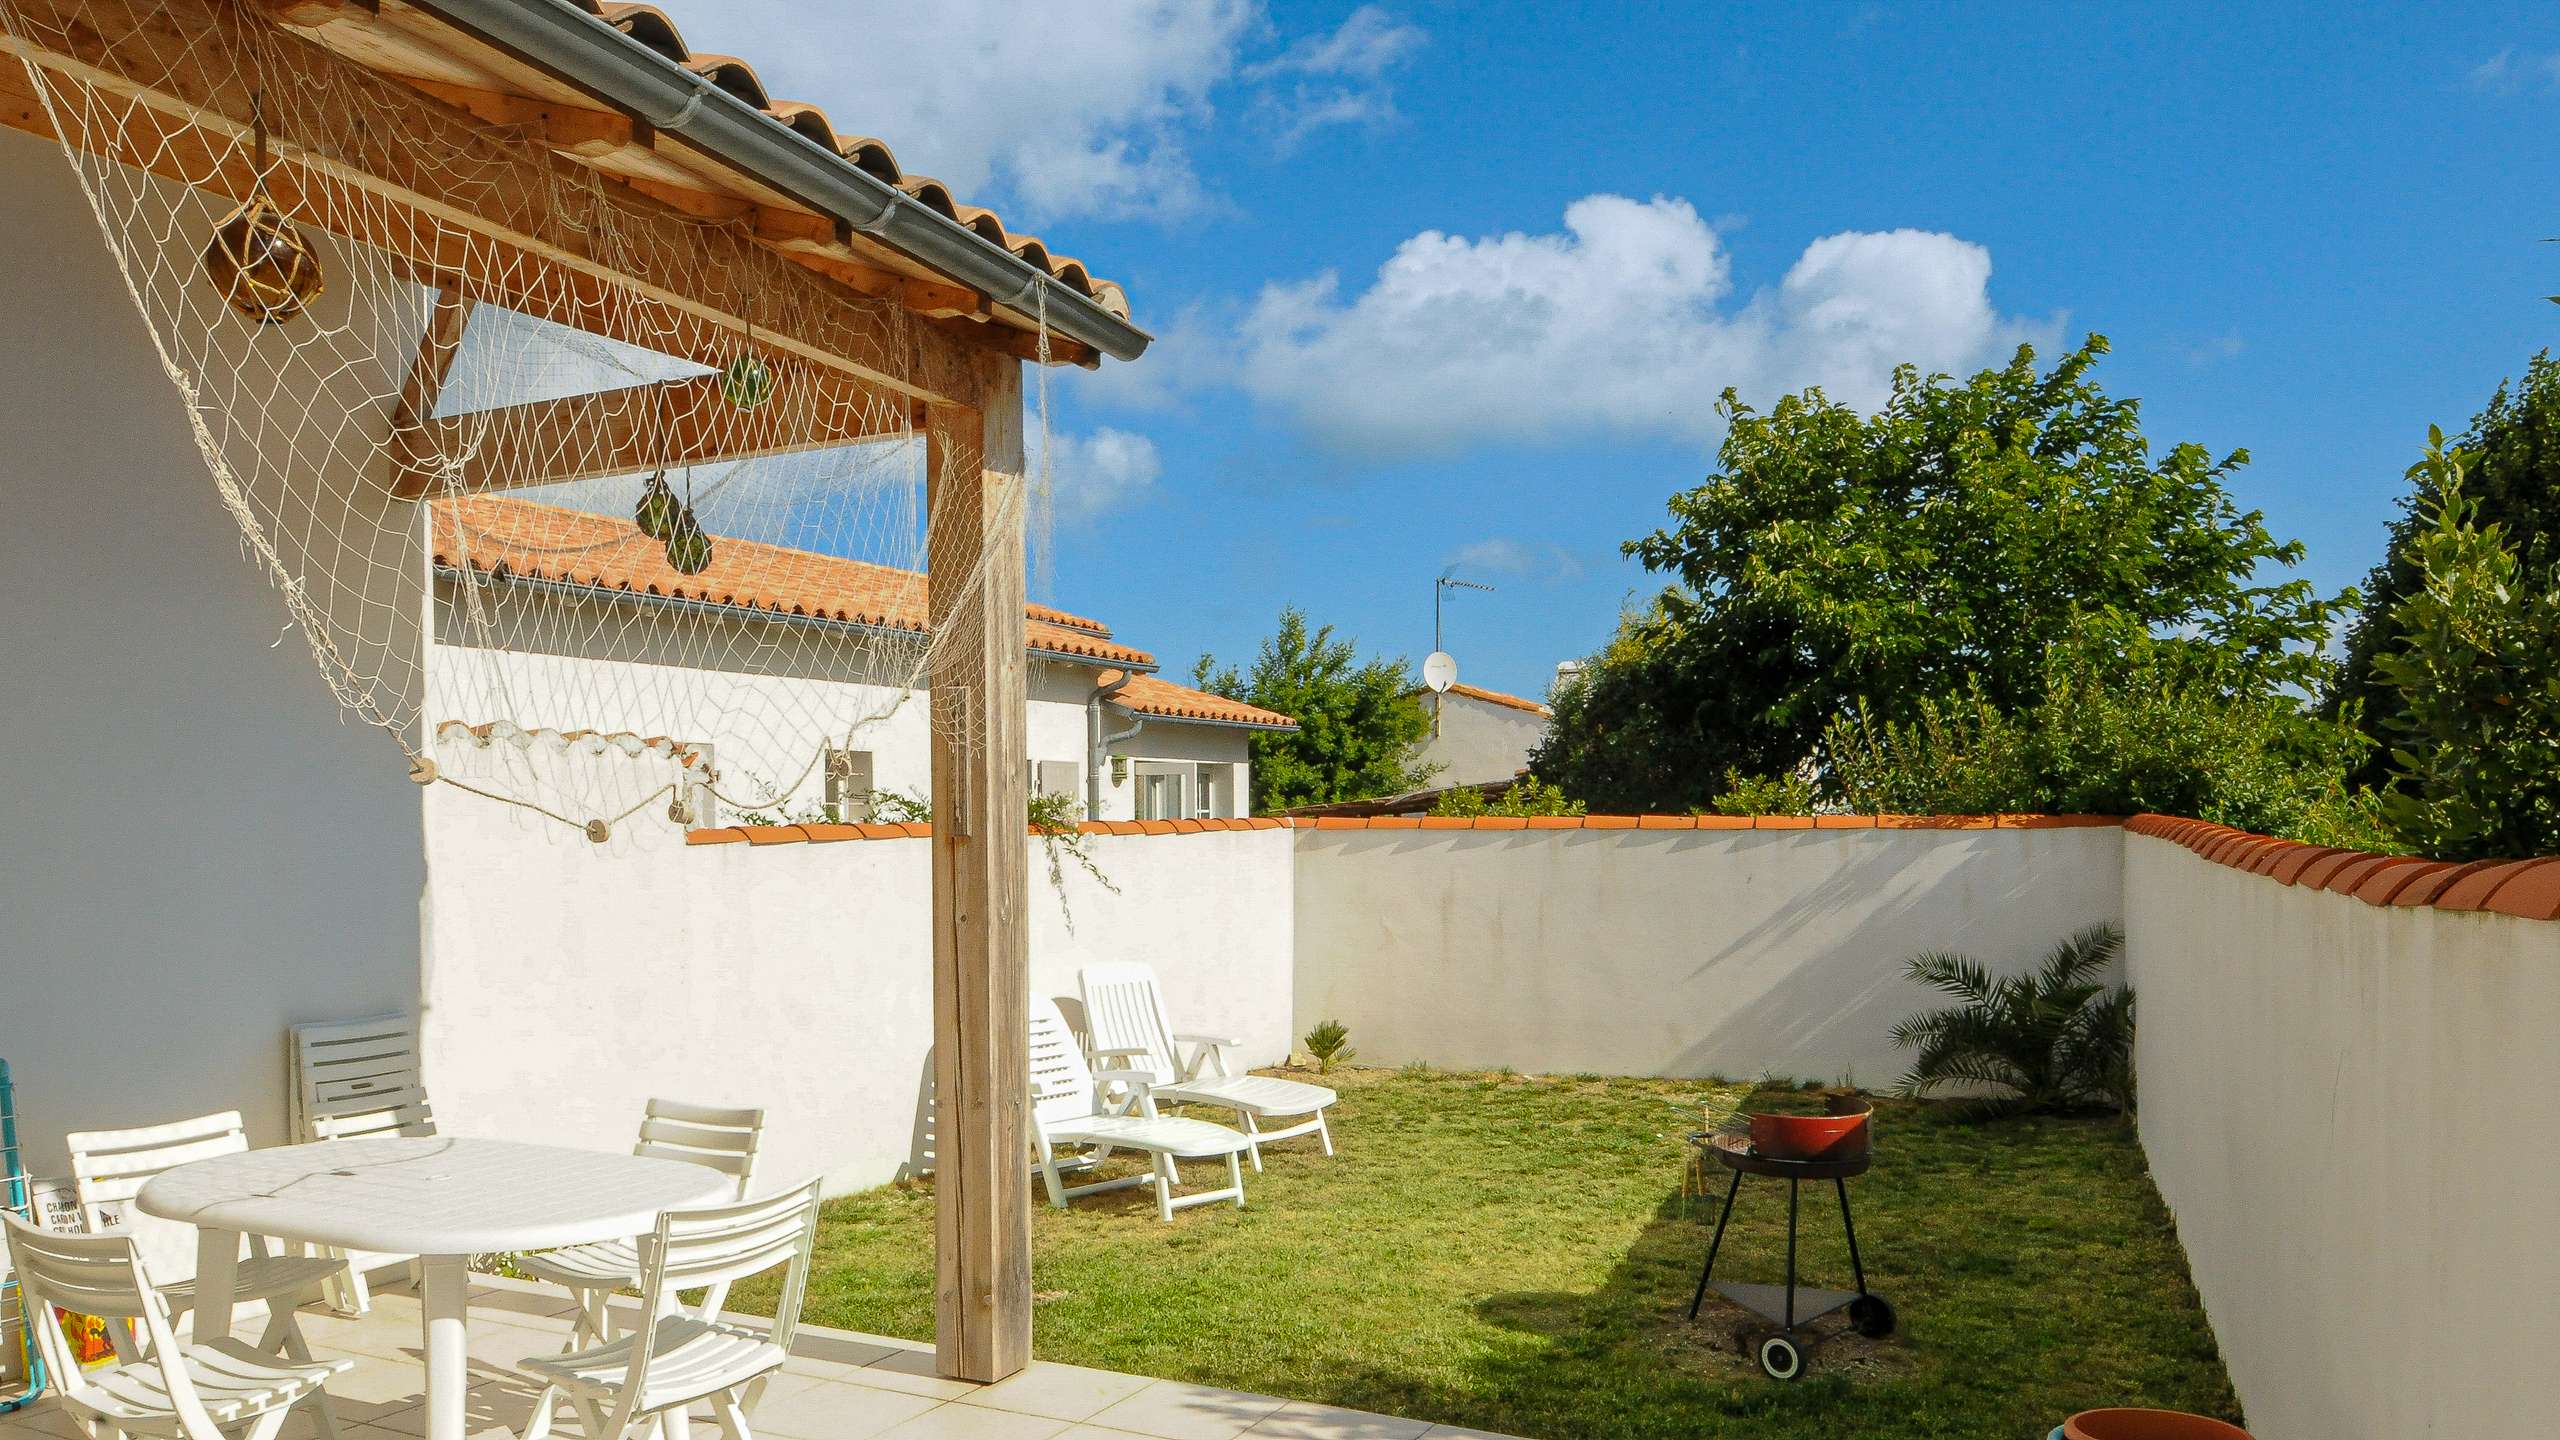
(435, 184)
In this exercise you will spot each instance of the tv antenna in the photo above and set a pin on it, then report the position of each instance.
(1440, 671)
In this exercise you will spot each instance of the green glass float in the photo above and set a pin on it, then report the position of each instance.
(655, 515)
(747, 382)
(688, 548)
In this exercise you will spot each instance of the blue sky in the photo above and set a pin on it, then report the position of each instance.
(1443, 283)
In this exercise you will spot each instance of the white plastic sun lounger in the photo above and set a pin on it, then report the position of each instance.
(1072, 1104)
(1125, 1016)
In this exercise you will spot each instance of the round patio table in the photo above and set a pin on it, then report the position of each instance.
(443, 1199)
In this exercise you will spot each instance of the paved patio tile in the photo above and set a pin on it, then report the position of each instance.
(1173, 1410)
(1060, 1392)
(1302, 1421)
(800, 1408)
(974, 1422)
(913, 1372)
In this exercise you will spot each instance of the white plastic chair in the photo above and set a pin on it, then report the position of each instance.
(722, 1140)
(110, 1167)
(682, 1356)
(1072, 1104)
(195, 1391)
(353, 1080)
(1125, 1018)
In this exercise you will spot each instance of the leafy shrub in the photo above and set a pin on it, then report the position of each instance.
(2055, 1038)
(2114, 739)
(1788, 794)
(2476, 676)
(1328, 1044)
(1528, 795)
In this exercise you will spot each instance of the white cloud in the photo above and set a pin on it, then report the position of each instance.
(1095, 475)
(1063, 108)
(2512, 70)
(1055, 109)
(1336, 79)
(1623, 322)
(1523, 559)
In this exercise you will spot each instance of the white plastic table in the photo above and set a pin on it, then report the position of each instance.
(441, 1199)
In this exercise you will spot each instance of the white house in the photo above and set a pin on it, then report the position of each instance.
(1128, 744)
(1481, 736)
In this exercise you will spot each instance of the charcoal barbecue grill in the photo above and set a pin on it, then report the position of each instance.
(1779, 1344)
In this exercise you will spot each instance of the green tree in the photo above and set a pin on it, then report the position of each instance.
(2472, 683)
(1527, 795)
(1941, 546)
(1358, 727)
(2511, 479)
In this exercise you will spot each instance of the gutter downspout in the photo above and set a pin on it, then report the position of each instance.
(1102, 743)
(590, 54)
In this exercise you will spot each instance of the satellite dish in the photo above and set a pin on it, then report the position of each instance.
(1439, 672)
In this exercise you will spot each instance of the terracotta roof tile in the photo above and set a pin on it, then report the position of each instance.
(1153, 695)
(603, 552)
(1496, 697)
(651, 27)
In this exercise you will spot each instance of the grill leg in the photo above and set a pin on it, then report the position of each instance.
(1714, 1245)
(1791, 1253)
(1856, 1269)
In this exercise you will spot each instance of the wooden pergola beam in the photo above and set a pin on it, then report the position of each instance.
(419, 180)
(635, 428)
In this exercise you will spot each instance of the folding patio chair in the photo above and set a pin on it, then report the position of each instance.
(1107, 1110)
(354, 1080)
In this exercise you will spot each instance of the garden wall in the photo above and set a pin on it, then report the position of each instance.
(567, 983)
(2350, 1085)
(1658, 947)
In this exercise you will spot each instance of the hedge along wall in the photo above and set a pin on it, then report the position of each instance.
(1673, 945)
(2350, 1085)
(567, 983)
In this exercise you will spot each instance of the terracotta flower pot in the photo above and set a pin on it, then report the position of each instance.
(2147, 1425)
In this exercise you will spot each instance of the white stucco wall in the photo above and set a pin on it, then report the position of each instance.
(567, 983)
(2354, 1113)
(1645, 952)
(195, 850)
(1479, 741)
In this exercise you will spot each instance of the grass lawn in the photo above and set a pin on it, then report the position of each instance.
(1514, 1253)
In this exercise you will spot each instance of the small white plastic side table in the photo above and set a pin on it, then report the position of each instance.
(443, 1199)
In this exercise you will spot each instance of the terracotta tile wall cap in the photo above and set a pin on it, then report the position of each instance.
(1340, 822)
(2384, 885)
(1782, 822)
(2475, 890)
(1447, 822)
(717, 835)
(2347, 877)
(775, 834)
(917, 829)
(1188, 827)
(1844, 822)
(1155, 827)
(1555, 822)
(2316, 874)
(2534, 893)
(1608, 822)
(1666, 822)
(1723, 822)
(2290, 865)
(827, 833)
(1502, 822)
(1396, 822)
(2425, 889)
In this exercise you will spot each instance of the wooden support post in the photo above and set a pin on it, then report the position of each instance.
(981, 883)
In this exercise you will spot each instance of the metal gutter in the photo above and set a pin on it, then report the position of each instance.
(570, 589)
(586, 52)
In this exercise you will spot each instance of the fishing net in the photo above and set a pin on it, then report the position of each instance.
(570, 540)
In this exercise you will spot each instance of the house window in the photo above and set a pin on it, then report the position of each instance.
(848, 785)
(1164, 790)
(1057, 777)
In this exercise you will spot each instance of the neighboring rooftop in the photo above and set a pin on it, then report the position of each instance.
(1496, 697)
(504, 536)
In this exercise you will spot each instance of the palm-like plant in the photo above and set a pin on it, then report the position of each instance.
(2052, 1038)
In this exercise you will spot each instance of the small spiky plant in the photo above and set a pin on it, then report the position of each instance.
(1328, 1043)
(2054, 1038)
